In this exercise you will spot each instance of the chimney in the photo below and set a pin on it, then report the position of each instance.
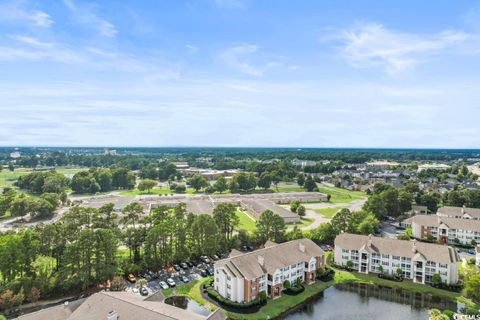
(301, 247)
(112, 315)
(369, 244)
(414, 246)
(463, 209)
(260, 260)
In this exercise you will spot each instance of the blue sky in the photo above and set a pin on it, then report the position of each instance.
(240, 73)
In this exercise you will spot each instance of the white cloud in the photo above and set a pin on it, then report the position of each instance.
(247, 59)
(191, 49)
(373, 45)
(86, 15)
(17, 12)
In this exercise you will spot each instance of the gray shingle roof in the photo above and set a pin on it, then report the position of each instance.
(459, 211)
(274, 256)
(402, 248)
(452, 223)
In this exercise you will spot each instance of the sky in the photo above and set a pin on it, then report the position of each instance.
(267, 73)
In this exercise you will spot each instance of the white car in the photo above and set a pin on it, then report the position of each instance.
(171, 282)
(164, 285)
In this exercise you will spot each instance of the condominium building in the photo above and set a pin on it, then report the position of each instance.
(243, 276)
(446, 229)
(459, 212)
(418, 261)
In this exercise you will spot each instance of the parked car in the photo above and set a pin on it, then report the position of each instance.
(176, 267)
(209, 271)
(164, 285)
(184, 265)
(471, 251)
(190, 264)
(185, 279)
(215, 257)
(203, 273)
(143, 291)
(131, 278)
(171, 282)
(205, 259)
(250, 248)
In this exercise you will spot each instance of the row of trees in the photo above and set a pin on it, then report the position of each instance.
(102, 180)
(19, 204)
(41, 182)
(388, 201)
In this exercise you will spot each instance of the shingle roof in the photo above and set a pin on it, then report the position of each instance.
(129, 306)
(459, 211)
(258, 206)
(452, 223)
(402, 248)
(274, 257)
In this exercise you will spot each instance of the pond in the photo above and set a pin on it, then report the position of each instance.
(187, 304)
(362, 301)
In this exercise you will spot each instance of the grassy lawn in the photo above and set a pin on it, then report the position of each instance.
(275, 308)
(303, 223)
(289, 189)
(340, 195)
(7, 177)
(328, 212)
(136, 192)
(247, 222)
(193, 291)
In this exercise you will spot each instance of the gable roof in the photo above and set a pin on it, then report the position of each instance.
(458, 211)
(274, 256)
(451, 223)
(128, 306)
(402, 248)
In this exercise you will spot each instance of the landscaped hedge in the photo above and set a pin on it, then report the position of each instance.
(453, 287)
(212, 293)
(390, 277)
(325, 275)
(294, 290)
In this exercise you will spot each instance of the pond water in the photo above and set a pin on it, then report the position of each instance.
(187, 304)
(360, 301)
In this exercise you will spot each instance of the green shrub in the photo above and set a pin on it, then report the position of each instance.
(261, 298)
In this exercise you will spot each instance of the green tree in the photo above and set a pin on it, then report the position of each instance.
(225, 216)
(471, 288)
(310, 184)
(301, 211)
(265, 180)
(146, 184)
(294, 205)
(206, 235)
(221, 184)
(324, 233)
(270, 226)
(197, 182)
(301, 179)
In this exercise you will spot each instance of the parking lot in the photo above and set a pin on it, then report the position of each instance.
(180, 274)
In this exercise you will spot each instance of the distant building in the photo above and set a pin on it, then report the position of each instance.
(15, 155)
(108, 152)
(258, 206)
(381, 165)
(433, 166)
(418, 261)
(446, 229)
(181, 165)
(243, 276)
(459, 212)
(303, 163)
